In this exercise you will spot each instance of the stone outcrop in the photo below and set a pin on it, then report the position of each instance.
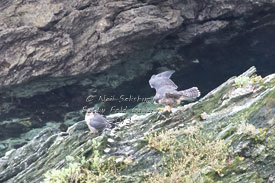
(60, 39)
(40, 40)
(56, 53)
(240, 111)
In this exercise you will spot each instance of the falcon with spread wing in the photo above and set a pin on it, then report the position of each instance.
(166, 90)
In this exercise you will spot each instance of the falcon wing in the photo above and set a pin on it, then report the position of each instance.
(100, 118)
(94, 123)
(166, 82)
(166, 74)
(162, 79)
(99, 122)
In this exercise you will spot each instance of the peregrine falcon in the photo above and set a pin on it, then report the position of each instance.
(95, 121)
(166, 90)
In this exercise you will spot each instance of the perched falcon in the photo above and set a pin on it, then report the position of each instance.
(95, 121)
(166, 90)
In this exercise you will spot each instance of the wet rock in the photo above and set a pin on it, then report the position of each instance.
(80, 37)
(253, 147)
(19, 138)
(76, 37)
(51, 63)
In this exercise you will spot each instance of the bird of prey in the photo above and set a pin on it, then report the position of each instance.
(166, 90)
(95, 121)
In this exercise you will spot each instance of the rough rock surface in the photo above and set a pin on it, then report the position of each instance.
(61, 39)
(56, 53)
(56, 38)
(220, 114)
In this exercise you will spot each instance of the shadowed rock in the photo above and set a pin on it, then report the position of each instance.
(55, 54)
(235, 119)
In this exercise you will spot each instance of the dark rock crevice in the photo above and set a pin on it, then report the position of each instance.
(87, 48)
(232, 119)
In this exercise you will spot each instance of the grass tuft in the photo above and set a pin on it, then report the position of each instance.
(97, 168)
(190, 157)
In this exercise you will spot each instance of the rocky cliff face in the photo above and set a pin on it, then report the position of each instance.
(56, 53)
(239, 113)
(61, 39)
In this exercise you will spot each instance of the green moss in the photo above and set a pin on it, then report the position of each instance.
(96, 168)
(237, 133)
(189, 156)
(267, 100)
(243, 178)
(228, 148)
(227, 131)
(241, 81)
(162, 141)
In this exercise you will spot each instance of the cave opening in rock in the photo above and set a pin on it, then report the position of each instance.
(203, 63)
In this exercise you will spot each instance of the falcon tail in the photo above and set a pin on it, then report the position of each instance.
(109, 125)
(191, 92)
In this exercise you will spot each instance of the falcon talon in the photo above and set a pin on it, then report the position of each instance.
(93, 132)
(166, 90)
(168, 108)
(160, 109)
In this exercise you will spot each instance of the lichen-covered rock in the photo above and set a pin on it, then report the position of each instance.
(244, 124)
(51, 61)
(75, 37)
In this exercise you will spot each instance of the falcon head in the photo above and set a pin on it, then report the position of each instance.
(89, 114)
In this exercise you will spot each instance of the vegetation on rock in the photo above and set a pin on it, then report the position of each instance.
(233, 143)
(189, 157)
(97, 168)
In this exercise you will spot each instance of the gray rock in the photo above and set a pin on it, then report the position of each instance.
(233, 122)
(76, 37)
(78, 48)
